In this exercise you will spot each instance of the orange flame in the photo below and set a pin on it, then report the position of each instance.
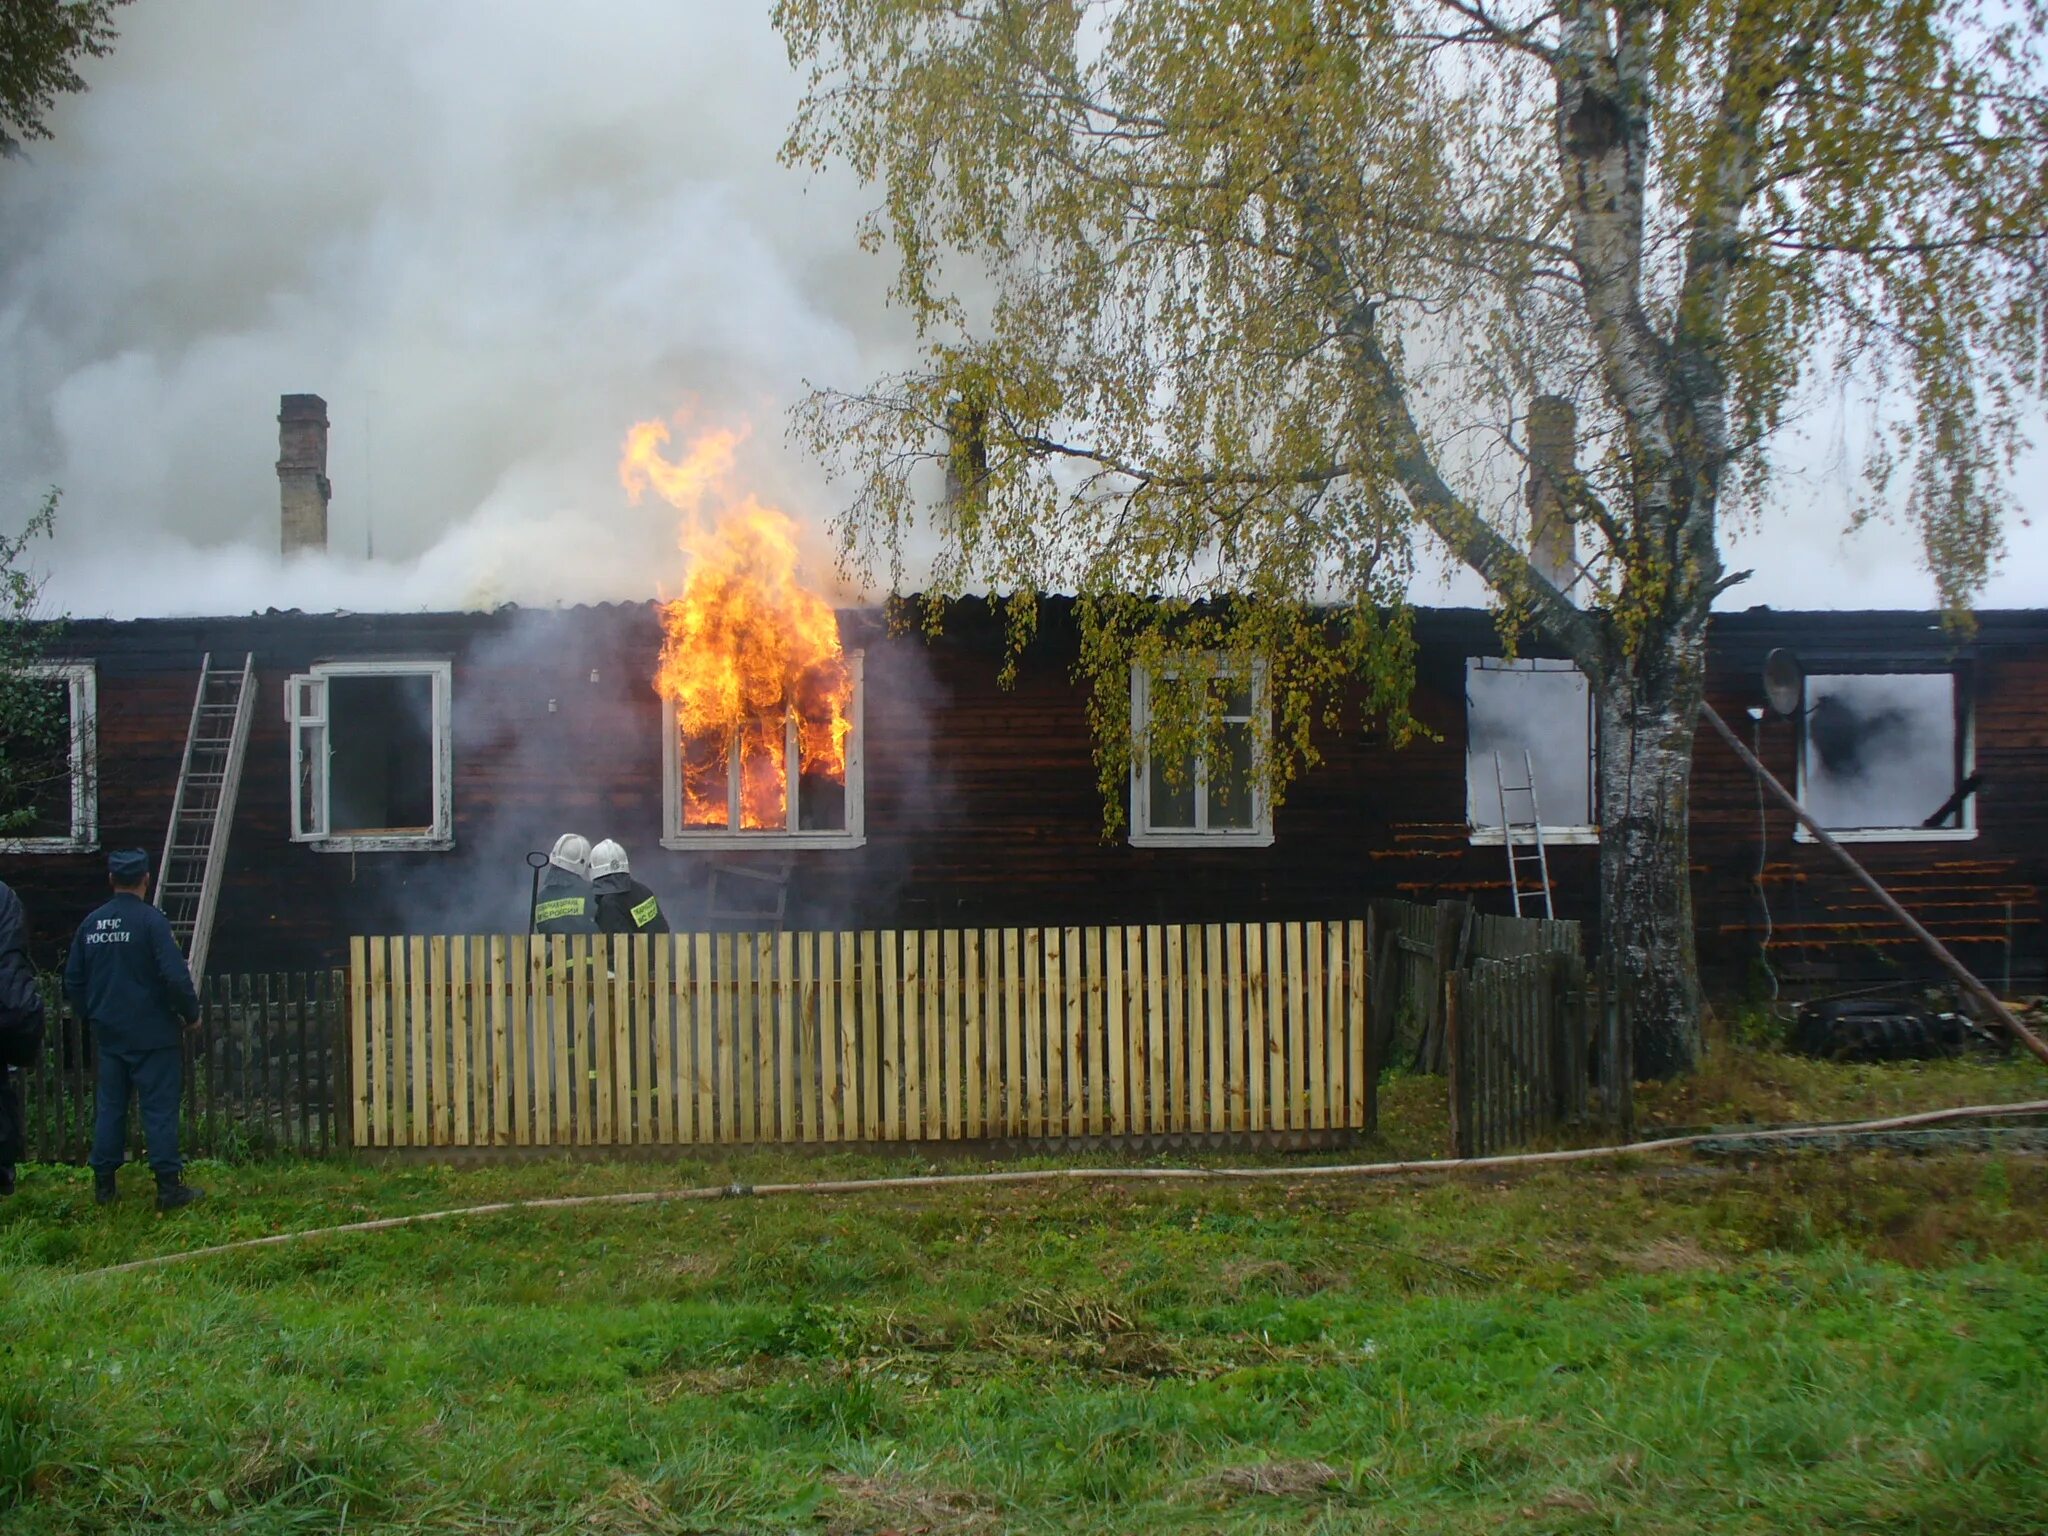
(750, 657)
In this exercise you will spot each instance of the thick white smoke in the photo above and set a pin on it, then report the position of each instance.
(493, 234)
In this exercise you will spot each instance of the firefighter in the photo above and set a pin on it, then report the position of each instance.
(624, 905)
(564, 903)
(126, 977)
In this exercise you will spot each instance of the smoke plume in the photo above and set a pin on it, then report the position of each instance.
(492, 236)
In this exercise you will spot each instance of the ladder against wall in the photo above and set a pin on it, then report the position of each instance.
(1521, 829)
(203, 811)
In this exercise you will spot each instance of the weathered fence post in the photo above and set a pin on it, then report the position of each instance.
(1458, 1067)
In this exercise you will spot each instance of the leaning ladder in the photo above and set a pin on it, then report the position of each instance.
(1522, 865)
(203, 813)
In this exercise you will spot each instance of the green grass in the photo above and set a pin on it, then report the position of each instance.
(1854, 1344)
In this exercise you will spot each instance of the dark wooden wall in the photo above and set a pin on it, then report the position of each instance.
(981, 804)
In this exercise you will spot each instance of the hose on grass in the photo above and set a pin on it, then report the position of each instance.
(1426, 1166)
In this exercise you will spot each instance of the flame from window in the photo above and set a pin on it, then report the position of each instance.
(750, 657)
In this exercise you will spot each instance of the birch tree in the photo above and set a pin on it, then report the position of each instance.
(1242, 305)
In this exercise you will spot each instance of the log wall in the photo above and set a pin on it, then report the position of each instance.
(981, 804)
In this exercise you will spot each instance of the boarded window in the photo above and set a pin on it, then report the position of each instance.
(1884, 752)
(1535, 706)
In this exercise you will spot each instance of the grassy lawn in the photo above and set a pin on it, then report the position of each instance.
(1855, 1344)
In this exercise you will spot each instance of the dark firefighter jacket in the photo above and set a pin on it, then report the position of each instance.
(624, 905)
(127, 977)
(565, 903)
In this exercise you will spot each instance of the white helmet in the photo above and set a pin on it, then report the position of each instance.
(572, 853)
(608, 858)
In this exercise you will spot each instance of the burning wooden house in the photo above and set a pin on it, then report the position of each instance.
(769, 761)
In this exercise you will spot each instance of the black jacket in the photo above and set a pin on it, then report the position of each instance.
(21, 1001)
(127, 977)
(624, 905)
(21, 1020)
(564, 904)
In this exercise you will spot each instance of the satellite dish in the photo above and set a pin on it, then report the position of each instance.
(1784, 682)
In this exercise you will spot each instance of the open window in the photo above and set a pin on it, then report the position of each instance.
(1888, 756)
(372, 765)
(1200, 799)
(51, 766)
(791, 778)
(1529, 721)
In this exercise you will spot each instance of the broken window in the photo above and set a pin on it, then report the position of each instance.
(1191, 797)
(49, 792)
(1528, 721)
(789, 776)
(1886, 755)
(371, 756)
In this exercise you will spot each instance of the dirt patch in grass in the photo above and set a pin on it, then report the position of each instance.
(858, 1506)
(1670, 1256)
(1277, 1277)
(1281, 1479)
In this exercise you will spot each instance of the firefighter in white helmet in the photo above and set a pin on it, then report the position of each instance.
(565, 902)
(624, 905)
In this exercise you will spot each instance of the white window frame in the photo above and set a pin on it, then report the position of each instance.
(677, 836)
(1966, 695)
(1569, 834)
(82, 679)
(306, 710)
(1142, 835)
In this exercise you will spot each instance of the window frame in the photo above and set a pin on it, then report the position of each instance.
(82, 680)
(1563, 834)
(675, 836)
(438, 838)
(1960, 675)
(1141, 834)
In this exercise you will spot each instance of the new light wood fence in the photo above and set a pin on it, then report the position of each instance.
(505, 1041)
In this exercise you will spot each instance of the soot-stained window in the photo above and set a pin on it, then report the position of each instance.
(1541, 708)
(789, 778)
(1885, 755)
(1191, 798)
(371, 756)
(49, 792)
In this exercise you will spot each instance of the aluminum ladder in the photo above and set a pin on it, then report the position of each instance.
(1512, 828)
(203, 812)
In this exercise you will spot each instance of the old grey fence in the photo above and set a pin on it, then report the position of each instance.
(1414, 948)
(264, 1072)
(1534, 1044)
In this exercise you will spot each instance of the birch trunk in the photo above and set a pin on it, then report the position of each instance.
(1647, 715)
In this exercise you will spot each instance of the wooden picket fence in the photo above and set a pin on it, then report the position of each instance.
(260, 1073)
(1414, 948)
(873, 1036)
(1536, 1043)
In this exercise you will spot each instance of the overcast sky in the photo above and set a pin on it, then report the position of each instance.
(492, 235)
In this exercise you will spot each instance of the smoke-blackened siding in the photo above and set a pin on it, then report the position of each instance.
(981, 804)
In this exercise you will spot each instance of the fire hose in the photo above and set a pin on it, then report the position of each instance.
(1412, 1168)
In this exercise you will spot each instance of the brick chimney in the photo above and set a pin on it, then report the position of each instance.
(1553, 455)
(303, 488)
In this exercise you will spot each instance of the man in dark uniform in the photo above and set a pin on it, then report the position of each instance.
(564, 903)
(624, 905)
(21, 1029)
(128, 980)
